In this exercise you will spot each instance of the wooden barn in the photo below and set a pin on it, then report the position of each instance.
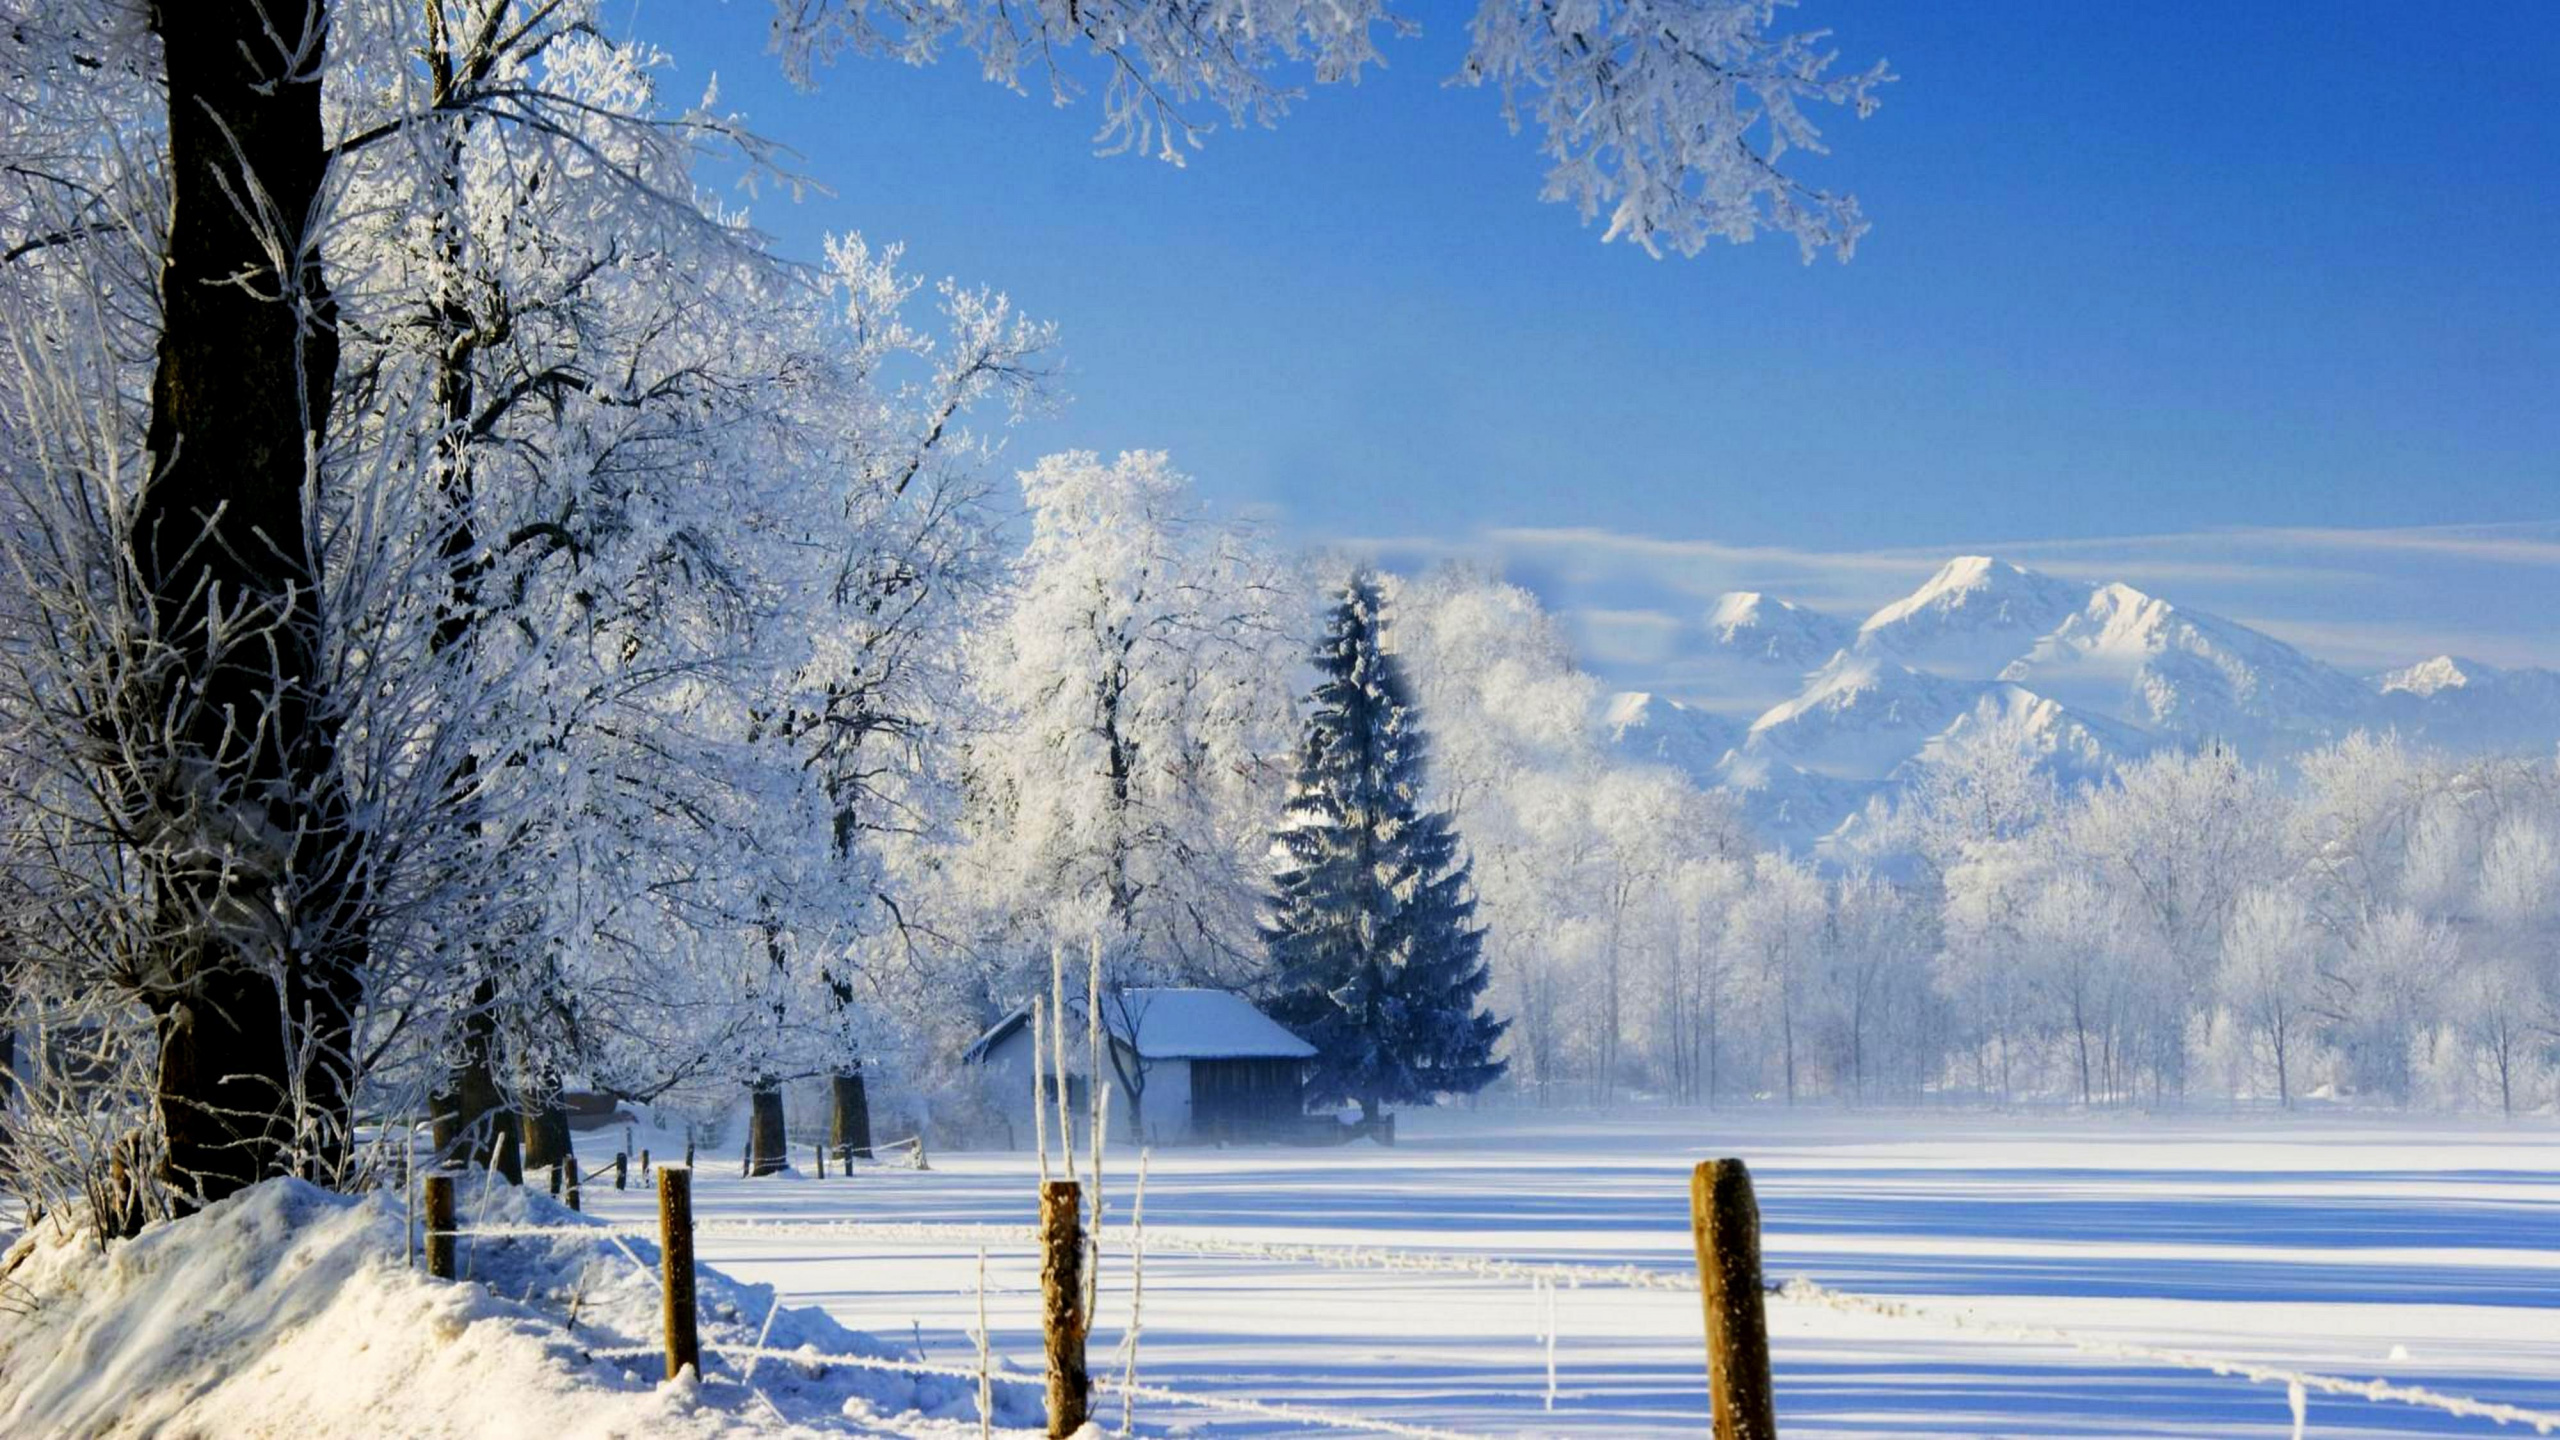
(1184, 1065)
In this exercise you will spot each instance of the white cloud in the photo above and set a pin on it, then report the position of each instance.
(2360, 599)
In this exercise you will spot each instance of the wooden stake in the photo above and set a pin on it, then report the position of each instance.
(622, 1169)
(1062, 1317)
(1724, 1219)
(819, 1147)
(675, 1252)
(440, 1225)
(644, 1162)
(570, 1163)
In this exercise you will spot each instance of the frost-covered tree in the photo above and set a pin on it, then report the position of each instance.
(2273, 955)
(1777, 926)
(1674, 119)
(1133, 710)
(1375, 956)
(1871, 990)
(2182, 836)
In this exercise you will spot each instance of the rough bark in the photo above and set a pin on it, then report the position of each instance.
(546, 1135)
(1062, 1314)
(768, 1152)
(471, 1116)
(248, 860)
(849, 1118)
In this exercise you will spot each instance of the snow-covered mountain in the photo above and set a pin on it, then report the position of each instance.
(2075, 746)
(1972, 617)
(1651, 728)
(1859, 717)
(2140, 660)
(2465, 705)
(2090, 675)
(1748, 625)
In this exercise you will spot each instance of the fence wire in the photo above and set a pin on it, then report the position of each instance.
(1569, 1276)
(1225, 1404)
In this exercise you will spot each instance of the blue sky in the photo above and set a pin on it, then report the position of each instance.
(2175, 293)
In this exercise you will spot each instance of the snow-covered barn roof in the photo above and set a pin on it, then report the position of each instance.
(1171, 1024)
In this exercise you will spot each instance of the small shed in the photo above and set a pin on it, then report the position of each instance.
(1186, 1065)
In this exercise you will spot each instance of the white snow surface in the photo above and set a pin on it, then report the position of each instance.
(1666, 731)
(2408, 1248)
(1746, 623)
(1179, 1023)
(1972, 616)
(1191, 1024)
(2427, 677)
(287, 1311)
(2013, 1275)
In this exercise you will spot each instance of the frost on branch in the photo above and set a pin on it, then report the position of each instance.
(1672, 117)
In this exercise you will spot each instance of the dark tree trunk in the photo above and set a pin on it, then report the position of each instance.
(471, 1113)
(767, 1150)
(849, 1120)
(249, 857)
(546, 1135)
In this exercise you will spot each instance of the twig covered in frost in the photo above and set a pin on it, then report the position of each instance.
(1547, 1288)
(471, 1258)
(1137, 1297)
(986, 1379)
(1058, 1056)
(772, 1308)
(1039, 1090)
(1093, 1227)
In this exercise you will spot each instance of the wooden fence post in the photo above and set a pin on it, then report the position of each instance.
(675, 1253)
(622, 1170)
(1062, 1316)
(440, 1225)
(570, 1163)
(1724, 1219)
(644, 1162)
(819, 1148)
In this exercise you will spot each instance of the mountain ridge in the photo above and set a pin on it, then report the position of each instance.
(2092, 674)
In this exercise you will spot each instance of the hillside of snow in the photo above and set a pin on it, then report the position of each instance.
(1663, 731)
(2091, 675)
(1971, 618)
(1748, 624)
(288, 1310)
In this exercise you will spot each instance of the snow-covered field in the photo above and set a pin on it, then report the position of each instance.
(2422, 1250)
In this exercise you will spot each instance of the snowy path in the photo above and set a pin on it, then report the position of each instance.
(2317, 1244)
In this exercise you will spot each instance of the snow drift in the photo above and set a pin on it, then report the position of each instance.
(288, 1310)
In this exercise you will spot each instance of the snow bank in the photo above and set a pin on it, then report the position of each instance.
(287, 1310)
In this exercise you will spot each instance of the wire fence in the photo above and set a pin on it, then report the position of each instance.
(1226, 1404)
(1798, 1292)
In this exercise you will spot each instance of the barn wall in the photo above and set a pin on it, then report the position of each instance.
(1168, 1101)
(1168, 1109)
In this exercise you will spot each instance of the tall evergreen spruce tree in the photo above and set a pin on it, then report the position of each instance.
(1370, 935)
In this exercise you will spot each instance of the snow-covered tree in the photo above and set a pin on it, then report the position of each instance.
(1777, 927)
(1673, 119)
(2272, 958)
(1375, 955)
